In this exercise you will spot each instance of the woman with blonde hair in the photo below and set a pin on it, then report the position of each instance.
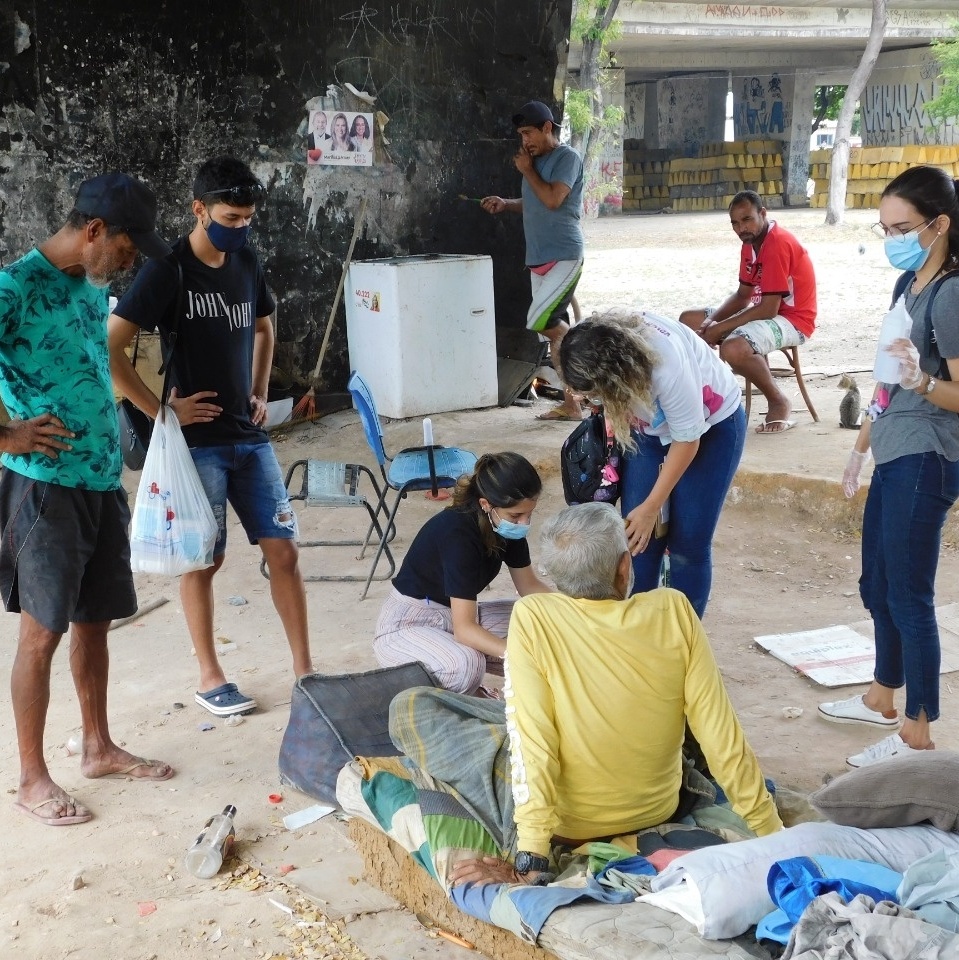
(341, 135)
(433, 613)
(677, 409)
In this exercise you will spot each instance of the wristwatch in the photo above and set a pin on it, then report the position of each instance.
(930, 386)
(530, 863)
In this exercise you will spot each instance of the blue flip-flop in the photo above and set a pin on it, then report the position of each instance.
(226, 700)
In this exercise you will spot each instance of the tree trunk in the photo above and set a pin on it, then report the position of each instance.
(839, 169)
(589, 143)
(589, 79)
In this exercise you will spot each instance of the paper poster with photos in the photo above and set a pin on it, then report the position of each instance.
(340, 139)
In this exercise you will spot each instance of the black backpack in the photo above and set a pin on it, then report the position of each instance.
(589, 463)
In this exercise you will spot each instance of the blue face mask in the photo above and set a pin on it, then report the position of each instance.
(227, 239)
(509, 530)
(907, 253)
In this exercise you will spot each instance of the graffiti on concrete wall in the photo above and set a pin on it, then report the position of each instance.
(894, 114)
(760, 108)
(743, 11)
(683, 120)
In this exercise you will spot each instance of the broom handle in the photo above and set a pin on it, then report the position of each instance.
(360, 217)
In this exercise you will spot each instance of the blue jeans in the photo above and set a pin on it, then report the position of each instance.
(901, 530)
(694, 506)
(248, 475)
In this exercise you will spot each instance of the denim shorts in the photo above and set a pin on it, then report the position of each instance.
(248, 476)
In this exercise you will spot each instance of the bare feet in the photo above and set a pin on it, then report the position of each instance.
(47, 803)
(117, 763)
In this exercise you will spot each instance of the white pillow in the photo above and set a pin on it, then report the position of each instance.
(731, 878)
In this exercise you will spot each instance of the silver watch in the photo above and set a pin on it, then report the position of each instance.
(930, 386)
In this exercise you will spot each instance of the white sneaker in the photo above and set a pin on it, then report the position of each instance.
(892, 746)
(854, 710)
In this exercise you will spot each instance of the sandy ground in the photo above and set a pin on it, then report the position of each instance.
(786, 559)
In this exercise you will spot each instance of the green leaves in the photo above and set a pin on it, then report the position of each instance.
(945, 104)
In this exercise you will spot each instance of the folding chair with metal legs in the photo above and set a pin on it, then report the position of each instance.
(432, 467)
(326, 483)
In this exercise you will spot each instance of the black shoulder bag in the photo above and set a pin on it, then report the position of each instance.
(136, 427)
(583, 460)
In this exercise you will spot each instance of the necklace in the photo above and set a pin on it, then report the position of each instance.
(917, 290)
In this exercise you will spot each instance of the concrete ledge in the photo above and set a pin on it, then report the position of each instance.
(390, 868)
(819, 503)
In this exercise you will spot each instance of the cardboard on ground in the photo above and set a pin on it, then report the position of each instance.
(844, 655)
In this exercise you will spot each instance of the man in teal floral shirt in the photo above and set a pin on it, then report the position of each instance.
(65, 556)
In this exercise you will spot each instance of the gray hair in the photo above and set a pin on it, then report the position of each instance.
(581, 549)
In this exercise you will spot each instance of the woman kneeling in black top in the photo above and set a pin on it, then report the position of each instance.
(432, 614)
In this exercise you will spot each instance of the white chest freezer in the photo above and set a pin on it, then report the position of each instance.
(422, 333)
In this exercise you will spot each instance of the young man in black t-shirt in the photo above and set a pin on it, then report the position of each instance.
(220, 373)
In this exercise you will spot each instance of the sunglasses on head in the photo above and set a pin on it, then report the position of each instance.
(245, 196)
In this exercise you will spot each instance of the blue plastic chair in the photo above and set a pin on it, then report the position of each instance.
(414, 468)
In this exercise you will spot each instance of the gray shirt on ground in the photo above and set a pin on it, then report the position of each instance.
(911, 424)
(554, 234)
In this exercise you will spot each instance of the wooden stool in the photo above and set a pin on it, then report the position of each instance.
(792, 355)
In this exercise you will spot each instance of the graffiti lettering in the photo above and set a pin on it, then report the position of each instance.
(895, 113)
(739, 11)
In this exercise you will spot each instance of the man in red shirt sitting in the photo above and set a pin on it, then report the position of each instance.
(774, 306)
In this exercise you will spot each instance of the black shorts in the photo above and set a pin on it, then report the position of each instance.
(65, 555)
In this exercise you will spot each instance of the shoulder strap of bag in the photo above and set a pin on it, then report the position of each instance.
(943, 372)
(901, 284)
(167, 365)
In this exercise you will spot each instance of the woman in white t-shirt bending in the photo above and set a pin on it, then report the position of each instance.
(677, 408)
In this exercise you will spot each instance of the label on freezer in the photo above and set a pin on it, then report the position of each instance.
(368, 299)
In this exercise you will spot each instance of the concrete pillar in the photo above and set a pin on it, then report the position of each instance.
(651, 117)
(690, 111)
(796, 145)
(778, 105)
(763, 104)
(635, 108)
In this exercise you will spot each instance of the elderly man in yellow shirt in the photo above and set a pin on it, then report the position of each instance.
(600, 686)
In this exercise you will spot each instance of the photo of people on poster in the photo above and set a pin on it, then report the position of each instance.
(340, 139)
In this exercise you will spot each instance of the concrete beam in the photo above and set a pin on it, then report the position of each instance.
(683, 59)
(633, 15)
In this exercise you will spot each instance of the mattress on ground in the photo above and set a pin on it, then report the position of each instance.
(582, 931)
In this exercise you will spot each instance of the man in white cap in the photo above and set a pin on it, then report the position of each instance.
(551, 204)
(65, 556)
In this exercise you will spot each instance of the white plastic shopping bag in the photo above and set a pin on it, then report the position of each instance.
(173, 529)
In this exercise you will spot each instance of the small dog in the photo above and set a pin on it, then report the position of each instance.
(850, 407)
